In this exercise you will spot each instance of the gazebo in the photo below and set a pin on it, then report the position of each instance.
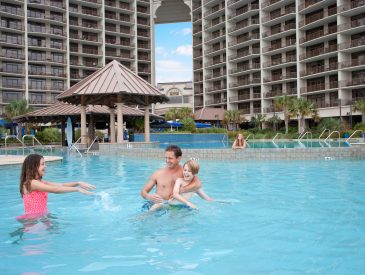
(59, 112)
(113, 85)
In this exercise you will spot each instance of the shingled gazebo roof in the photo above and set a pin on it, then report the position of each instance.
(104, 86)
(57, 110)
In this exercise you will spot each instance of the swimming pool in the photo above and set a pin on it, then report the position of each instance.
(282, 218)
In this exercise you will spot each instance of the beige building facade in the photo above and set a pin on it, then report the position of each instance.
(245, 53)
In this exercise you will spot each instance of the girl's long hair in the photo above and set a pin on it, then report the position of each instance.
(29, 172)
(239, 142)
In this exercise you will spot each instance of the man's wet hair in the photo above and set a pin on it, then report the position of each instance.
(174, 148)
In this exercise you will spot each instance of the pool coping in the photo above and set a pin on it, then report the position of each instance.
(17, 159)
(317, 153)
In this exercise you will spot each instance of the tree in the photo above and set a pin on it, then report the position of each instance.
(172, 114)
(185, 112)
(302, 108)
(232, 118)
(360, 106)
(285, 103)
(258, 119)
(17, 108)
(274, 121)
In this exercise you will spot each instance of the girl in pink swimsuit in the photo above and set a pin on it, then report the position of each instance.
(34, 189)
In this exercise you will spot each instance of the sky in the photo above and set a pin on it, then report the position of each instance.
(173, 52)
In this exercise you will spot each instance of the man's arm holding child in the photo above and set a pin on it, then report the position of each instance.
(176, 194)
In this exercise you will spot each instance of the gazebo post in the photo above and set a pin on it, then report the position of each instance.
(146, 122)
(112, 126)
(63, 133)
(91, 127)
(120, 121)
(83, 125)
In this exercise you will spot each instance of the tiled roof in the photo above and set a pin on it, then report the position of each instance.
(209, 114)
(64, 109)
(105, 85)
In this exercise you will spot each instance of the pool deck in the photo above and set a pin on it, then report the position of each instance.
(16, 159)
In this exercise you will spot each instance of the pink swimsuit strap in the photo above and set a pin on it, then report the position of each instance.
(35, 202)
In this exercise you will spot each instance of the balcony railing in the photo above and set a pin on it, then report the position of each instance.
(12, 10)
(215, 101)
(318, 34)
(318, 51)
(319, 87)
(354, 43)
(245, 68)
(319, 69)
(215, 88)
(356, 82)
(248, 8)
(353, 63)
(245, 53)
(283, 28)
(244, 39)
(281, 77)
(274, 16)
(240, 97)
(245, 82)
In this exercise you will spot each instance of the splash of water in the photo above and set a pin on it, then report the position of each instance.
(104, 201)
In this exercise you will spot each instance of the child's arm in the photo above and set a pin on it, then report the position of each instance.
(57, 188)
(176, 194)
(203, 195)
(83, 185)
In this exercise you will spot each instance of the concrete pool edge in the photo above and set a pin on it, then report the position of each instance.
(125, 149)
(16, 159)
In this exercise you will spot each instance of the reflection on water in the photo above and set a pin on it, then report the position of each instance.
(37, 228)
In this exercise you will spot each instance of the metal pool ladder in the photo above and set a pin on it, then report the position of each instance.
(308, 133)
(278, 134)
(323, 132)
(357, 131)
(12, 136)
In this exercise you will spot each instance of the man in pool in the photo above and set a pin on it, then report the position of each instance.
(165, 178)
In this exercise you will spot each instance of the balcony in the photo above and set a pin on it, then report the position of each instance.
(216, 88)
(283, 28)
(12, 10)
(307, 4)
(248, 67)
(319, 51)
(12, 25)
(353, 63)
(318, 34)
(269, 3)
(215, 75)
(278, 15)
(56, 4)
(356, 82)
(239, 97)
(354, 43)
(353, 5)
(319, 87)
(274, 93)
(11, 70)
(245, 82)
(244, 39)
(250, 7)
(215, 101)
(319, 69)
(288, 75)
(13, 85)
(245, 53)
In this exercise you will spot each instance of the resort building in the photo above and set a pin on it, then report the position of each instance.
(245, 53)
(180, 94)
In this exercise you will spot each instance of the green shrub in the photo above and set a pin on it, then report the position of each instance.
(213, 130)
(49, 135)
(360, 126)
(329, 123)
(188, 125)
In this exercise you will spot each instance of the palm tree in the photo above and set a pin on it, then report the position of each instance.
(172, 114)
(284, 102)
(232, 117)
(360, 106)
(259, 119)
(185, 112)
(17, 108)
(274, 121)
(302, 108)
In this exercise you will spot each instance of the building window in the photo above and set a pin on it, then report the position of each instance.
(57, 85)
(11, 96)
(36, 98)
(12, 82)
(37, 84)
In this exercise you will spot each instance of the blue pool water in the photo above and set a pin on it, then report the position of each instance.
(282, 218)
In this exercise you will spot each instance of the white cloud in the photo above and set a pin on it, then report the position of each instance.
(184, 32)
(184, 50)
(172, 70)
(161, 51)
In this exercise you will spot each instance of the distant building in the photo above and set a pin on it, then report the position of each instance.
(180, 95)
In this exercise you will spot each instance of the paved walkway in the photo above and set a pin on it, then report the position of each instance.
(15, 159)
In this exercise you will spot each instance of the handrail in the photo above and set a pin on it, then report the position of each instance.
(306, 134)
(12, 136)
(276, 136)
(253, 136)
(361, 131)
(333, 132)
(323, 132)
(92, 143)
(33, 139)
(73, 146)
